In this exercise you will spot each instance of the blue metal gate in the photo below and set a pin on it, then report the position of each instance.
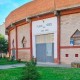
(45, 52)
(45, 48)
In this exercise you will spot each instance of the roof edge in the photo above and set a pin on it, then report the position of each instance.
(46, 12)
(68, 8)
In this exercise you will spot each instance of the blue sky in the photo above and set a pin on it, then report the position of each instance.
(6, 6)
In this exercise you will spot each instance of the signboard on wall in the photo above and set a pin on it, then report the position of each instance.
(45, 26)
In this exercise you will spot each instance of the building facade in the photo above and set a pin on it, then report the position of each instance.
(2, 30)
(47, 34)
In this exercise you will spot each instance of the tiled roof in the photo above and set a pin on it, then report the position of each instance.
(36, 7)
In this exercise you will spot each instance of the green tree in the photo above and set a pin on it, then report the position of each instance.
(3, 44)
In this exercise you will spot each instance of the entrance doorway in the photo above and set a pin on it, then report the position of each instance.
(45, 48)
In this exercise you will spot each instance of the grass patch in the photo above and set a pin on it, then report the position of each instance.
(5, 61)
(11, 74)
(59, 73)
(46, 73)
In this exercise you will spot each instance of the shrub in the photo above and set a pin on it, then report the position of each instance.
(30, 72)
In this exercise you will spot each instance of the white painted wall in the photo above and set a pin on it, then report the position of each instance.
(44, 26)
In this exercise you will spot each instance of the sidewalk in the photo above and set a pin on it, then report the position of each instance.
(11, 66)
(38, 64)
(53, 65)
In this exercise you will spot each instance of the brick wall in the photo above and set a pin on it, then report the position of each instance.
(13, 36)
(24, 30)
(24, 53)
(69, 24)
(71, 55)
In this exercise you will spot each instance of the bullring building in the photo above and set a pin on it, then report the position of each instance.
(46, 30)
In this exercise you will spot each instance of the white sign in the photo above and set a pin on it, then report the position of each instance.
(44, 26)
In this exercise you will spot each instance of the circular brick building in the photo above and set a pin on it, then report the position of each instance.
(46, 30)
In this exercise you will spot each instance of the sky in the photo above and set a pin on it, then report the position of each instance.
(6, 6)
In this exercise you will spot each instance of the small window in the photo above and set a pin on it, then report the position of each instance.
(13, 43)
(66, 55)
(76, 55)
(75, 38)
(24, 42)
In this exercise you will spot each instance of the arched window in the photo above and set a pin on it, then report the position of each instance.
(24, 42)
(13, 43)
(75, 38)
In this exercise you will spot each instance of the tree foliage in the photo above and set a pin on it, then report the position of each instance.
(3, 44)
